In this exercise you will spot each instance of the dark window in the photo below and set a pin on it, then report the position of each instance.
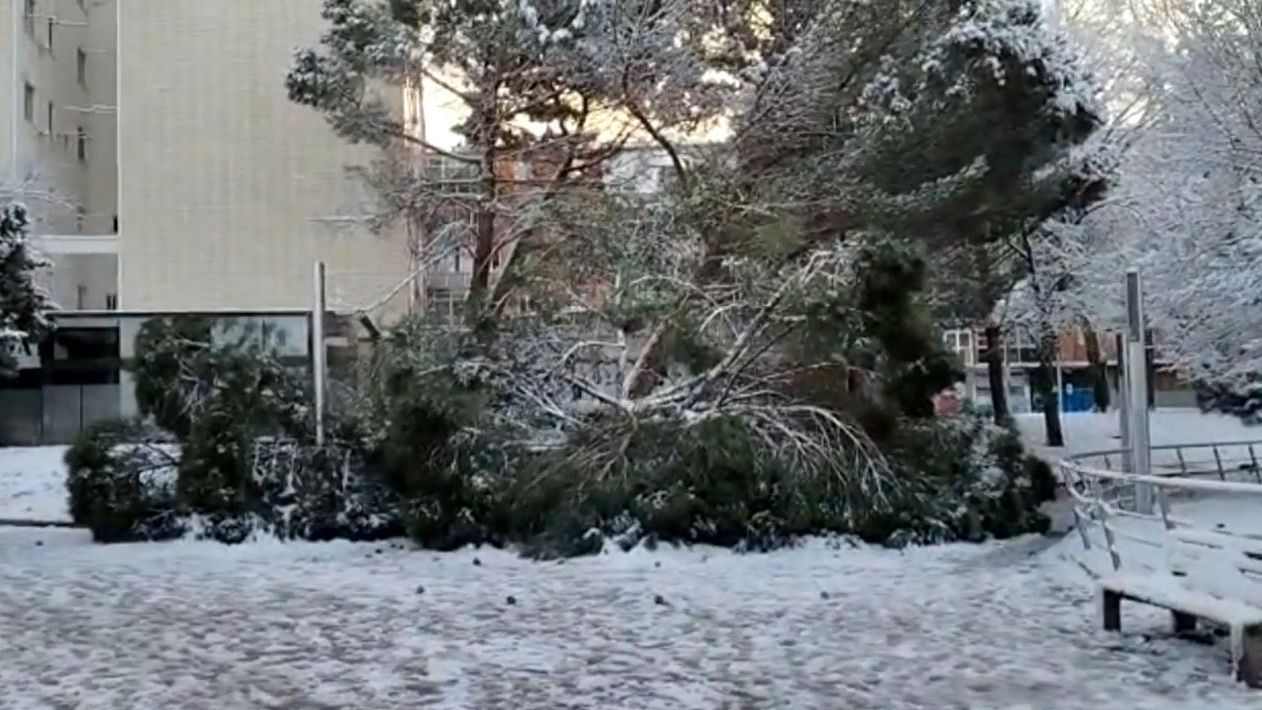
(81, 67)
(50, 35)
(82, 356)
(83, 145)
(51, 132)
(85, 344)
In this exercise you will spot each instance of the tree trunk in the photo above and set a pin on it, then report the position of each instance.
(484, 230)
(1098, 368)
(994, 372)
(1049, 393)
(484, 212)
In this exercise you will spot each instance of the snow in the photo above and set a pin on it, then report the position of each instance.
(1089, 431)
(33, 484)
(199, 625)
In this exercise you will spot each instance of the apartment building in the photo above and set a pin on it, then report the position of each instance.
(1074, 378)
(58, 154)
(227, 194)
(167, 171)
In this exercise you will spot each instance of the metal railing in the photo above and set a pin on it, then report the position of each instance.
(1209, 557)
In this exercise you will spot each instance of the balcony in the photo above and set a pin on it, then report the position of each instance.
(84, 276)
(57, 244)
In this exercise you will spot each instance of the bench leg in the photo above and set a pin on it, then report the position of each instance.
(1249, 662)
(1183, 623)
(1111, 609)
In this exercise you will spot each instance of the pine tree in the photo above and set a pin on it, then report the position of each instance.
(23, 303)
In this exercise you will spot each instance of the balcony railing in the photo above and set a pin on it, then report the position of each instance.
(54, 244)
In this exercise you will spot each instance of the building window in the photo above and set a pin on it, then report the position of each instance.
(29, 17)
(28, 102)
(83, 145)
(451, 176)
(80, 217)
(50, 35)
(81, 67)
(111, 302)
(51, 109)
(961, 343)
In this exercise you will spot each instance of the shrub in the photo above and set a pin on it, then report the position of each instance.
(970, 480)
(120, 481)
(701, 484)
(218, 395)
(331, 493)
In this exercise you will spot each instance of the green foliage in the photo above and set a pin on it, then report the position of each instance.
(23, 303)
(215, 470)
(682, 484)
(327, 493)
(166, 350)
(119, 481)
(972, 481)
(217, 394)
(880, 356)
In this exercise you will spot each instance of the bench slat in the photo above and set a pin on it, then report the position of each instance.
(1168, 594)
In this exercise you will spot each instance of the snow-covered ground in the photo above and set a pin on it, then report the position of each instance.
(1088, 431)
(33, 484)
(197, 625)
(270, 625)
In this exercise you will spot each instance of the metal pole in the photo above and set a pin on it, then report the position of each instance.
(317, 350)
(1123, 393)
(1135, 358)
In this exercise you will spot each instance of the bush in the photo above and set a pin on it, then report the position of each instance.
(120, 482)
(971, 480)
(705, 484)
(331, 493)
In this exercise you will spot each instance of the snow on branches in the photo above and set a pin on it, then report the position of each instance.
(23, 301)
(1184, 208)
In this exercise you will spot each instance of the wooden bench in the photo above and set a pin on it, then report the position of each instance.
(1163, 561)
(1243, 621)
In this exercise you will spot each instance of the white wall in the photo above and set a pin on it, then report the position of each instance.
(229, 192)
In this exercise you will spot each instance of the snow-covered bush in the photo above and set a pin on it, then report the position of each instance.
(971, 480)
(709, 484)
(121, 482)
(325, 493)
(218, 395)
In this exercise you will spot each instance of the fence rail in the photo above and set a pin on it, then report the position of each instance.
(1212, 558)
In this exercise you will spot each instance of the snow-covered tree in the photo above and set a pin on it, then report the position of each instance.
(559, 85)
(1183, 209)
(863, 125)
(23, 302)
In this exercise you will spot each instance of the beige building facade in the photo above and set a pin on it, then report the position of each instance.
(57, 146)
(228, 192)
(165, 167)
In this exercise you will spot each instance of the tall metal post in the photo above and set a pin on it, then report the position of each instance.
(317, 350)
(1138, 394)
(1123, 396)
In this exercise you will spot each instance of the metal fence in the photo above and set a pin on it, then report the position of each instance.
(1223, 560)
